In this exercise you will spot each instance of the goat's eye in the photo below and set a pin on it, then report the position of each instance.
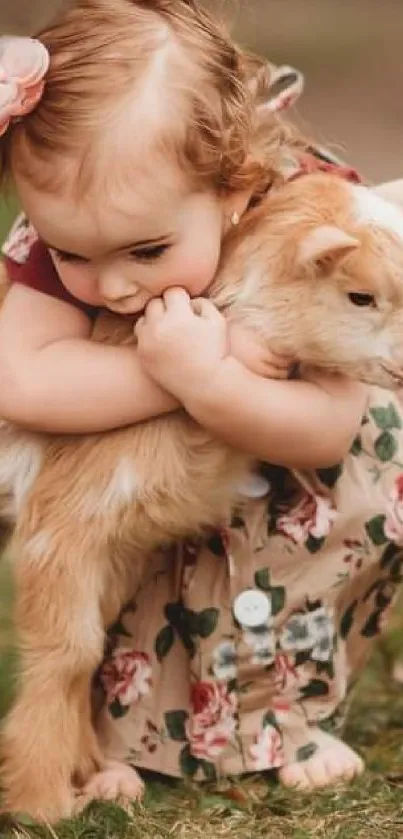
(360, 298)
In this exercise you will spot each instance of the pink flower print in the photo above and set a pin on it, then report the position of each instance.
(286, 671)
(212, 723)
(126, 676)
(312, 516)
(267, 751)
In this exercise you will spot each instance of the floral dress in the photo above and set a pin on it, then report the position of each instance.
(231, 642)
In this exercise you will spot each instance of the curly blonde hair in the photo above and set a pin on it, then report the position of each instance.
(106, 53)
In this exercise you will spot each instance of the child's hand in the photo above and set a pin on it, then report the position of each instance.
(181, 342)
(255, 355)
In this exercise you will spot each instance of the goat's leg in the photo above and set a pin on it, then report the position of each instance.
(48, 736)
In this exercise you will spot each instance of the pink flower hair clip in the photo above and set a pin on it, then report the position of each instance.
(24, 63)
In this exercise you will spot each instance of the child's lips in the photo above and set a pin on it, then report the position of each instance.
(128, 306)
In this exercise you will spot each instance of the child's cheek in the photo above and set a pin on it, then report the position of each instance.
(198, 273)
(80, 284)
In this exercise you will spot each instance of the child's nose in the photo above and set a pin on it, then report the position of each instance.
(113, 286)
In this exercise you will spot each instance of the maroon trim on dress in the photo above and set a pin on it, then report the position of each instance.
(39, 273)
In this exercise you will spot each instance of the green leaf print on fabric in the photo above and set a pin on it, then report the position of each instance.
(386, 446)
(301, 657)
(314, 688)
(164, 642)
(206, 622)
(384, 596)
(117, 710)
(208, 769)
(386, 418)
(396, 569)
(356, 448)
(119, 629)
(175, 722)
(262, 579)
(348, 620)
(376, 530)
(331, 475)
(326, 667)
(180, 619)
(277, 593)
(189, 624)
(313, 545)
(216, 545)
(305, 752)
(278, 599)
(372, 626)
(390, 554)
(270, 720)
(372, 589)
(188, 764)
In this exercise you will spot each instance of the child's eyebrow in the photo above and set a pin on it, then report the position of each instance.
(155, 240)
(141, 243)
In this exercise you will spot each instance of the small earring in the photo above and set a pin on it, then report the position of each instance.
(235, 219)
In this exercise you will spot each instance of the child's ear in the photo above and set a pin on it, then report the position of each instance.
(327, 244)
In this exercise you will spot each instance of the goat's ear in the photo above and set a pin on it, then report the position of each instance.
(327, 244)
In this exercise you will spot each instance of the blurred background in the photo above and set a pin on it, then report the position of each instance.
(351, 52)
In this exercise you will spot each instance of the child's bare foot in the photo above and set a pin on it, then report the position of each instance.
(397, 671)
(317, 759)
(115, 782)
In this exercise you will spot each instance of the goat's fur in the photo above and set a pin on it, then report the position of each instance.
(89, 510)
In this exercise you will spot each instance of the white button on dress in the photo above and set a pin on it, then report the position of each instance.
(252, 608)
(253, 486)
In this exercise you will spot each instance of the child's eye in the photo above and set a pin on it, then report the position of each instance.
(150, 253)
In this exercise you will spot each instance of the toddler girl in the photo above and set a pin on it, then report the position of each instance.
(136, 135)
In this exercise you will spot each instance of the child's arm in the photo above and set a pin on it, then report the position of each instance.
(54, 378)
(301, 424)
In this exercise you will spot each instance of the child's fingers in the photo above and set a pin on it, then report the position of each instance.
(139, 325)
(278, 360)
(275, 367)
(177, 298)
(277, 372)
(155, 310)
(205, 309)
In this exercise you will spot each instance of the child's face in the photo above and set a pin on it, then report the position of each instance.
(120, 248)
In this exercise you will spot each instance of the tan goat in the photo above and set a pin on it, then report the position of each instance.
(317, 271)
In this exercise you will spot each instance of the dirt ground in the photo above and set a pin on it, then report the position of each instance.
(351, 52)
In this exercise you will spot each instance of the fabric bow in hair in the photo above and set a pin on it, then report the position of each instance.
(24, 63)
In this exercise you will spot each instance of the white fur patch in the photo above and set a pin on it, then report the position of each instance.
(252, 282)
(121, 490)
(371, 209)
(20, 462)
(122, 486)
(38, 545)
